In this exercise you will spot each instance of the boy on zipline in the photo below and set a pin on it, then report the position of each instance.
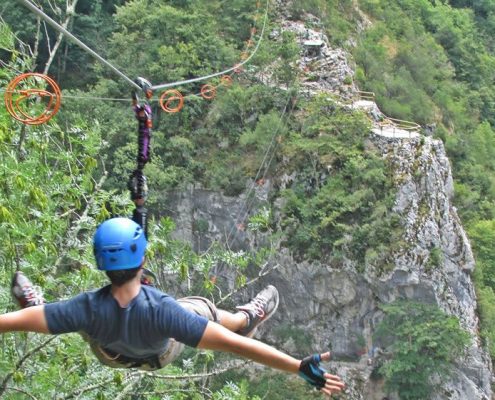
(130, 325)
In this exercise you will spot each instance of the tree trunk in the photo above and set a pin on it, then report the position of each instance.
(70, 12)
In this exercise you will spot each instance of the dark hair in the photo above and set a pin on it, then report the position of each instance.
(119, 277)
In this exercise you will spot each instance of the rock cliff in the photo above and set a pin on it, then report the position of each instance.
(324, 308)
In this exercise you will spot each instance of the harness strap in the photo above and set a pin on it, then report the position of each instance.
(131, 362)
(137, 182)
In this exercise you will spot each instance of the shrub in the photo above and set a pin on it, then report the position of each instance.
(422, 341)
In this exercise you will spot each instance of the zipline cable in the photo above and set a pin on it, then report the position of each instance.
(225, 82)
(232, 69)
(69, 35)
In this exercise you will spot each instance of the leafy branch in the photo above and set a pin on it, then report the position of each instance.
(19, 364)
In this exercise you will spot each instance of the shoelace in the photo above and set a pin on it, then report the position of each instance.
(32, 295)
(259, 305)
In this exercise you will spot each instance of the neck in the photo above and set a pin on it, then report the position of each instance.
(125, 293)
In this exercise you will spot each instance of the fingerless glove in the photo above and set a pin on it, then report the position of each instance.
(311, 371)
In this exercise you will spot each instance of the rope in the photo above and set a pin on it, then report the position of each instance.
(67, 96)
(69, 35)
(224, 81)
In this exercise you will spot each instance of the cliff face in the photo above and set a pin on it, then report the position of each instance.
(322, 307)
(341, 307)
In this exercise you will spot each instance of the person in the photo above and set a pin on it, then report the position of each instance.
(131, 325)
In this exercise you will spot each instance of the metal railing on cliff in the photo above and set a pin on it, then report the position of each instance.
(389, 122)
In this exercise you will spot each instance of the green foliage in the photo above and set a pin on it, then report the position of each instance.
(288, 51)
(483, 237)
(232, 391)
(191, 47)
(261, 221)
(331, 208)
(476, 175)
(482, 234)
(47, 182)
(270, 385)
(6, 37)
(486, 303)
(436, 258)
(430, 67)
(421, 341)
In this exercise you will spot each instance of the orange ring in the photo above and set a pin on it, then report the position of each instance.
(174, 95)
(14, 97)
(208, 92)
(226, 80)
(15, 108)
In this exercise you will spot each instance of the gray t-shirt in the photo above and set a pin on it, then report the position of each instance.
(140, 330)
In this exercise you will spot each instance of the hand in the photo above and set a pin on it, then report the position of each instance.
(315, 375)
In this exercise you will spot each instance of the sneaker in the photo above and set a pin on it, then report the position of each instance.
(148, 278)
(259, 309)
(24, 292)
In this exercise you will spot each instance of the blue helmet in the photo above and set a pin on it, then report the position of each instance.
(119, 243)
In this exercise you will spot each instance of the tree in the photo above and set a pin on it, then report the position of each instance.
(420, 341)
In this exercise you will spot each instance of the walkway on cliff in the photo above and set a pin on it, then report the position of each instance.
(324, 70)
(383, 125)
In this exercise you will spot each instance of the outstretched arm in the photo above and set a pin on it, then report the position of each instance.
(31, 319)
(216, 337)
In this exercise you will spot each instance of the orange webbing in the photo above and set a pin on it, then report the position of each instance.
(208, 92)
(17, 93)
(170, 96)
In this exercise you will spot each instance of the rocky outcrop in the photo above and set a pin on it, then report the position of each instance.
(322, 68)
(424, 200)
(341, 307)
(322, 307)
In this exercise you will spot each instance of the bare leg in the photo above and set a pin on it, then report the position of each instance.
(232, 321)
